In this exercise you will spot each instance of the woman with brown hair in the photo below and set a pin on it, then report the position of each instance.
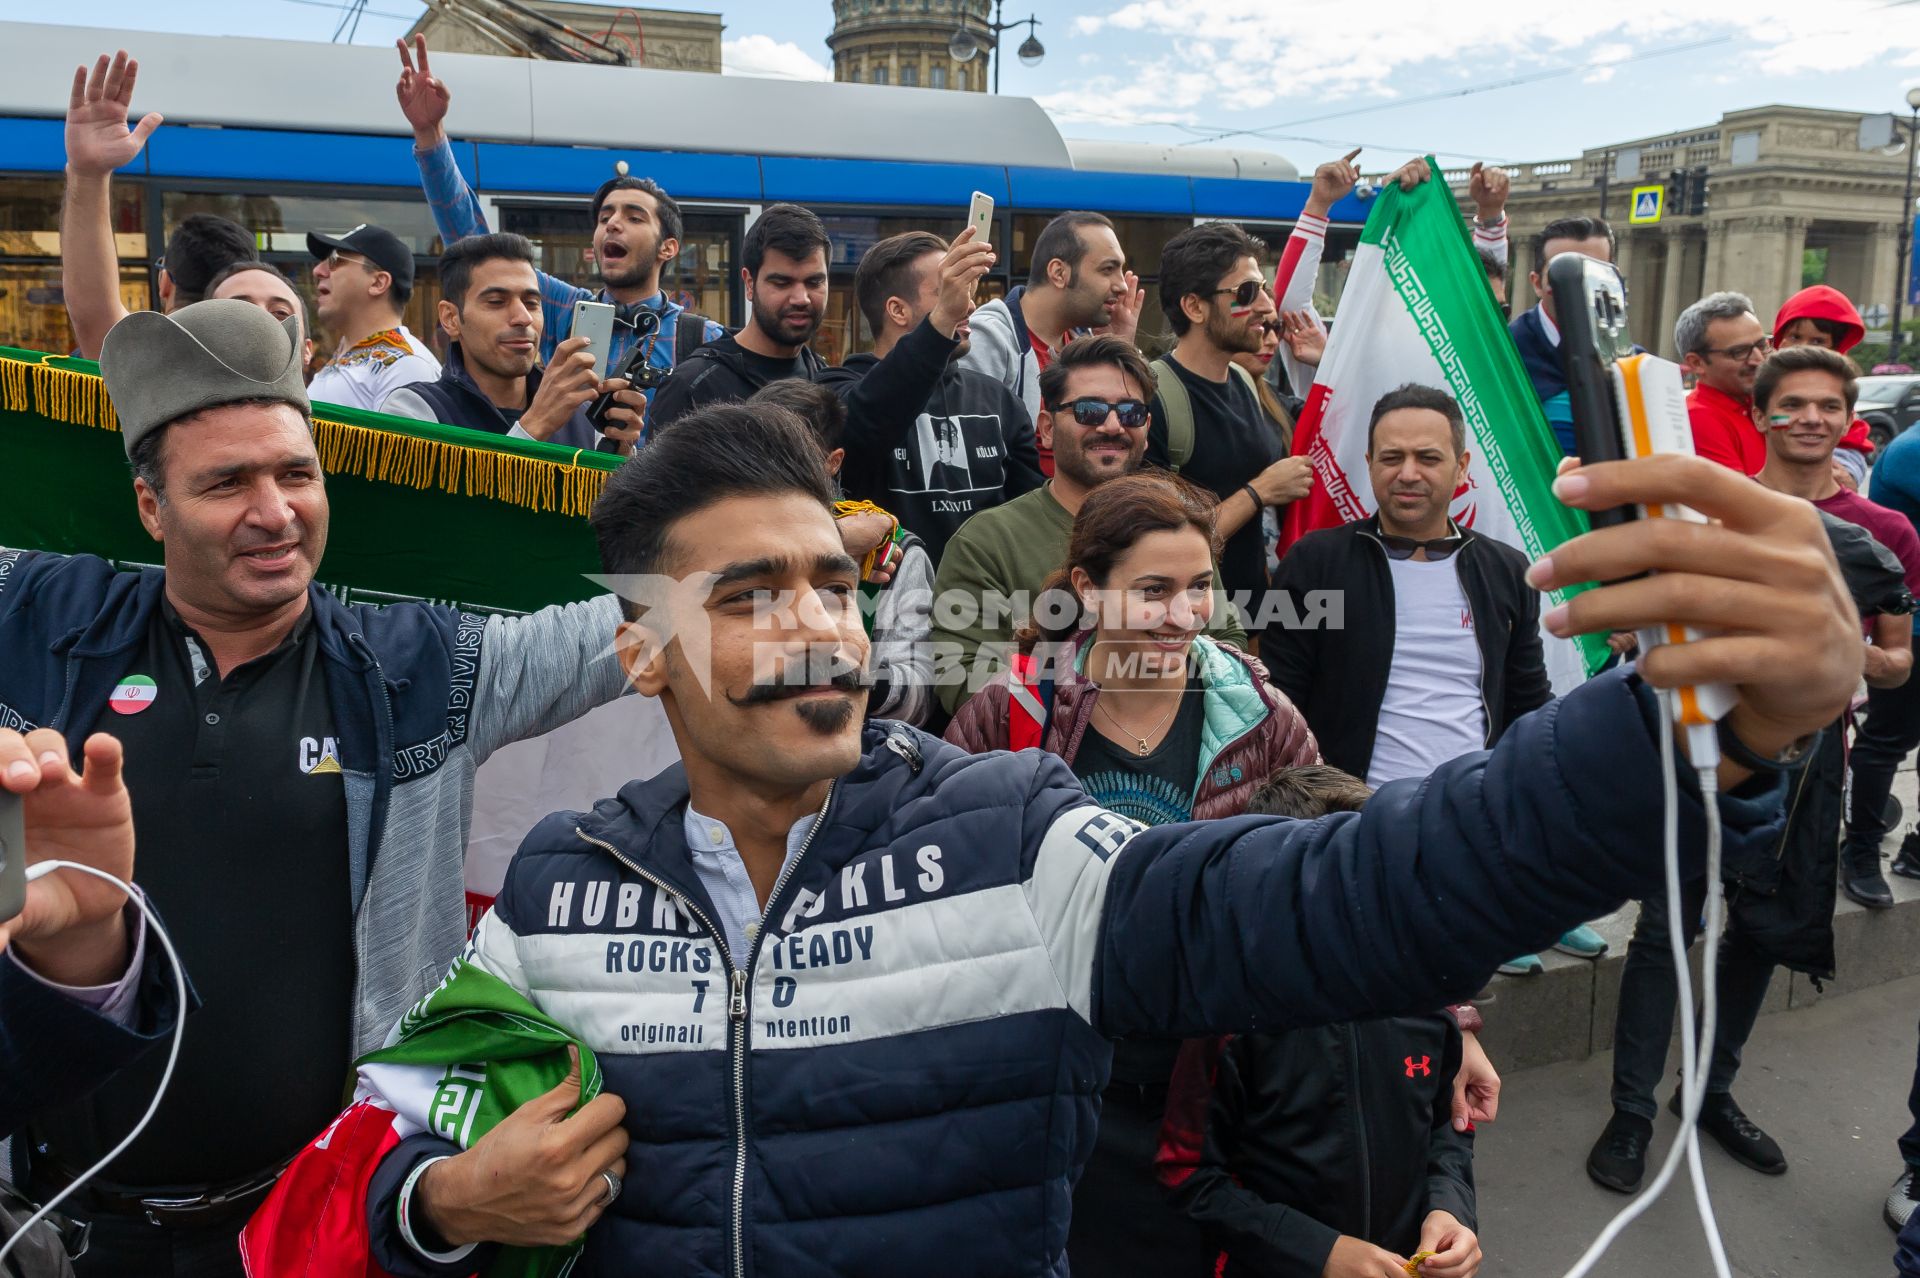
(1160, 723)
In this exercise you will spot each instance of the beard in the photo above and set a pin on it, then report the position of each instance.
(492, 359)
(777, 326)
(1087, 303)
(1232, 335)
(636, 267)
(1083, 470)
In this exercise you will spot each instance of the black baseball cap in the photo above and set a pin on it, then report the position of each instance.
(375, 243)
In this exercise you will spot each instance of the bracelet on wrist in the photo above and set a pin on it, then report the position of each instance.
(1254, 495)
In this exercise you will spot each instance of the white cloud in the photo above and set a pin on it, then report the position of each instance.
(765, 56)
(1205, 59)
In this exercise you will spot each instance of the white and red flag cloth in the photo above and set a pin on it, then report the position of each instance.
(1417, 308)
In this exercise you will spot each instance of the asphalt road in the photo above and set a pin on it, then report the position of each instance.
(1828, 1082)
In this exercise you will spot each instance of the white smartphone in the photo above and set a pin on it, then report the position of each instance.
(594, 321)
(980, 217)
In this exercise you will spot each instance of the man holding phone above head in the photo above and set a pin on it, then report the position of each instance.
(783, 263)
(490, 307)
(857, 990)
(636, 233)
(361, 283)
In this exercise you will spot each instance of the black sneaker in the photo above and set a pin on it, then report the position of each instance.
(1861, 880)
(1906, 863)
(1900, 1201)
(1745, 1143)
(1619, 1158)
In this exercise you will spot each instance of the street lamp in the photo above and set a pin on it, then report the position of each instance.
(1900, 267)
(964, 44)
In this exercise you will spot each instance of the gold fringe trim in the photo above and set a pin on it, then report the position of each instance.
(454, 468)
(64, 395)
(56, 393)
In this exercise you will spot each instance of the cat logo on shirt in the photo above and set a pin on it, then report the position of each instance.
(320, 756)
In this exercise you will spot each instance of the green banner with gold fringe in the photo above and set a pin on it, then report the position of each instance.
(419, 510)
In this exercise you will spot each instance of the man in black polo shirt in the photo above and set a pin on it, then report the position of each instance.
(300, 774)
(1216, 298)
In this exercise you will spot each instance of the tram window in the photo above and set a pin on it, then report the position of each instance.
(30, 218)
(280, 222)
(33, 312)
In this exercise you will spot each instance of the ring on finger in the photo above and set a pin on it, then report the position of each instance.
(613, 1187)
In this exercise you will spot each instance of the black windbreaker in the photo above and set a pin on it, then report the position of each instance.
(1306, 1135)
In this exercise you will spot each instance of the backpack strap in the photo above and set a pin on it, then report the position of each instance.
(689, 335)
(1179, 409)
(1029, 704)
(1246, 379)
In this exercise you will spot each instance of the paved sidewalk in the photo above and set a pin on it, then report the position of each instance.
(1829, 1082)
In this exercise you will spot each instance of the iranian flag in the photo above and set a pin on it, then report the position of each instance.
(1417, 308)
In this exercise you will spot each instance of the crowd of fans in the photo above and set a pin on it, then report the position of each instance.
(1059, 542)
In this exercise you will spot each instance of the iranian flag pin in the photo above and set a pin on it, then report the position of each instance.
(133, 694)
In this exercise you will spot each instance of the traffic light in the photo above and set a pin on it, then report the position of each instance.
(1679, 190)
(1697, 192)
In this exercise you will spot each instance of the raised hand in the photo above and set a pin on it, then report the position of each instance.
(71, 930)
(960, 272)
(1761, 582)
(423, 98)
(1125, 323)
(1411, 174)
(1304, 336)
(98, 140)
(1488, 186)
(1333, 182)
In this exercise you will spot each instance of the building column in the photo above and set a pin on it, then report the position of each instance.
(1792, 264)
(1882, 263)
(1672, 299)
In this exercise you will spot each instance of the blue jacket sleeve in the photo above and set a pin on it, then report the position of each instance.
(387, 1247)
(1257, 923)
(54, 1050)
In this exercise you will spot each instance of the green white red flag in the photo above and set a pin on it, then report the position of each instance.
(1417, 308)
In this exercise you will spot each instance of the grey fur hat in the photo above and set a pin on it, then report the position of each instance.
(159, 368)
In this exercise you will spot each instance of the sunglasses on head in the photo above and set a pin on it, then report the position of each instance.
(1408, 547)
(1245, 294)
(1091, 411)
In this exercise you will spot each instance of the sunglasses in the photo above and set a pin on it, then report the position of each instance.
(1089, 411)
(1245, 294)
(1407, 547)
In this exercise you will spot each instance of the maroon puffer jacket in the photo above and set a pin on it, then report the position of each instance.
(1275, 736)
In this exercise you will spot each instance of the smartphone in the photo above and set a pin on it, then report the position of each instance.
(13, 855)
(638, 373)
(1590, 306)
(594, 321)
(980, 217)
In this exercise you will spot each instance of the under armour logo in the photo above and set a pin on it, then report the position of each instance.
(1424, 1065)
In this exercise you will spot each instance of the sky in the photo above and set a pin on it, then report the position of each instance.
(1502, 80)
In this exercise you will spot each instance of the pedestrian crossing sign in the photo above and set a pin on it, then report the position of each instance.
(1647, 202)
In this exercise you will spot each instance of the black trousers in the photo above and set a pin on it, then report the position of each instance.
(1888, 733)
(126, 1247)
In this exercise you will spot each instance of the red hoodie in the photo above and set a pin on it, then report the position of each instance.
(1824, 303)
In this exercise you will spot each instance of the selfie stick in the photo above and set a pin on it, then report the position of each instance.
(1650, 408)
(173, 1054)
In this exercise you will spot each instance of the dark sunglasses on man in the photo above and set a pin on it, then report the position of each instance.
(1407, 547)
(1091, 411)
(1245, 293)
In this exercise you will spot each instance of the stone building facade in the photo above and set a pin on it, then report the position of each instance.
(667, 39)
(904, 42)
(1780, 180)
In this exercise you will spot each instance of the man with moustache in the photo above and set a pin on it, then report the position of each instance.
(300, 771)
(490, 307)
(1216, 299)
(1093, 417)
(853, 992)
(636, 233)
(1078, 285)
(932, 441)
(784, 268)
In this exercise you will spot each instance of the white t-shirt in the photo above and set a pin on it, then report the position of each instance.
(1432, 710)
(372, 369)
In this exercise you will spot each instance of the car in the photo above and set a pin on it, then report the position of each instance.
(1889, 404)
